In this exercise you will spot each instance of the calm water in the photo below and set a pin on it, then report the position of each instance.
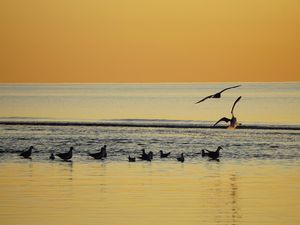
(255, 182)
(261, 102)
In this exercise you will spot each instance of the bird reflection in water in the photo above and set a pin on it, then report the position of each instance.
(234, 197)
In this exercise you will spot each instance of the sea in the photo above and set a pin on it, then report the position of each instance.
(255, 181)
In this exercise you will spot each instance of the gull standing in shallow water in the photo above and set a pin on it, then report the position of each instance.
(180, 158)
(164, 155)
(217, 95)
(52, 157)
(26, 154)
(144, 155)
(131, 159)
(99, 155)
(67, 155)
(233, 120)
(213, 155)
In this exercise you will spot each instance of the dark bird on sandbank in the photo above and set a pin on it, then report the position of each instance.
(233, 120)
(131, 159)
(180, 158)
(67, 155)
(164, 155)
(26, 154)
(99, 155)
(212, 154)
(52, 157)
(217, 95)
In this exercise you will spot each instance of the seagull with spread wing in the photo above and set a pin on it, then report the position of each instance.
(233, 120)
(217, 95)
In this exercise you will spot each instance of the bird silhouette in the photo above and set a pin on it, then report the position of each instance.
(144, 155)
(214, 154)
(52, 157)
(131, 159)
(26, 154)
(99, 155)
(103, 149)
(217, 95)
(150, 156)
(233, 120)
(67, 155)
(180, 158)
(204, 153)
(164, 155)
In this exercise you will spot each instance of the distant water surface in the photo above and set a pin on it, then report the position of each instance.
(276, 103)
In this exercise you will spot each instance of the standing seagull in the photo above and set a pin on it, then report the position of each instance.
(52, 157)
(217, 95)
(144, 155)
(131, 159)
(26, 154)
(99, 155)
(164, 155)
(103, 150)
(180, 158)
(233, 120)
(67, 155)
(214, 155)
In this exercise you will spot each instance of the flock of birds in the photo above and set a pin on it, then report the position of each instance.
(102, 154)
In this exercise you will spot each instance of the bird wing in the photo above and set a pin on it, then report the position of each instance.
(235, 103)
(60, 154)
(225, 119)
(229, 88)
(204, 99)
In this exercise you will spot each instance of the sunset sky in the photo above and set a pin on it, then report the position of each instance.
(149, 40)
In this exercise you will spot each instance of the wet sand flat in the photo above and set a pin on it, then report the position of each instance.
(166, 192)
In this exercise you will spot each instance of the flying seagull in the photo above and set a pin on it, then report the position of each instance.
(233, 120)
(217, 95)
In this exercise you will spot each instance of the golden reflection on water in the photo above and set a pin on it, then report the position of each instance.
(148, 193)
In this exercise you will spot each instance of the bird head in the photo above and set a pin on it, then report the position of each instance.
(219, 148)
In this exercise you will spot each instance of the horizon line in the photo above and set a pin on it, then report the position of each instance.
(192, 82)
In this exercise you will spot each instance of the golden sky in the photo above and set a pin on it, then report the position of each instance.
(149, 40)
